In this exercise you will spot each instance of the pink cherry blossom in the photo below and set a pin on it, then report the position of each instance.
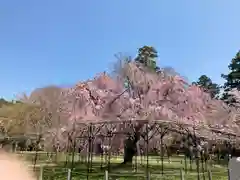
(151, 96)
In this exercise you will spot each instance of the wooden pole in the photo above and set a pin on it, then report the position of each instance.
(209, 175)
(182, 174)
(106, 175)
(41, 173)
(69, 176)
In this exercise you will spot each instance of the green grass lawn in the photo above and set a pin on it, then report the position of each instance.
(56, 168)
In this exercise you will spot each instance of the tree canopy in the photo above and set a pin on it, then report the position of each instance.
(139, 90)
(20, 118)
(232, 80)
(208, 86)
(147, 55)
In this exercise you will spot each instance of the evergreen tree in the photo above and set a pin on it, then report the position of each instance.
(208, 86)
(147, 55)
(232, 80)
(4, 102)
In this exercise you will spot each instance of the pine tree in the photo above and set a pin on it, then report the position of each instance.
(208, 86)
(147, 55)
(232, 80)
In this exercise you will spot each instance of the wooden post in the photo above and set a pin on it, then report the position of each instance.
(69, 176)
(106, 175)
(41, 173)
(182, 174)
(148, 176)
(229, 174)
(209, 175)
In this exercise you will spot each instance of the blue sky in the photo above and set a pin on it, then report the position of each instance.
(62, 42)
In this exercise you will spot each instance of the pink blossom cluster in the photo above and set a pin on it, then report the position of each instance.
(150, 96)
